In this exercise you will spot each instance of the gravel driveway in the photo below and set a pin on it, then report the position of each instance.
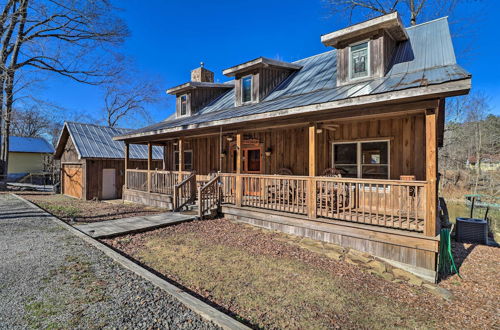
(50, 278)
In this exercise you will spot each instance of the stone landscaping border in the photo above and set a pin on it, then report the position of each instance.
(196, 305)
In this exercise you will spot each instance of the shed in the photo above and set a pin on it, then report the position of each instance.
(92, 164)
(28, 154)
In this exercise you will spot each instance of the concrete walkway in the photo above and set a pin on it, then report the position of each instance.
(132, 225)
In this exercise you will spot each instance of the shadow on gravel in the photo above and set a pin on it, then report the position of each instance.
(180, 286)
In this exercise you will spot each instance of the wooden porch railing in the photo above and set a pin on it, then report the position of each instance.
(185, 192)
(137, 179)
(163, 182)
(388, 203)
(209, 197)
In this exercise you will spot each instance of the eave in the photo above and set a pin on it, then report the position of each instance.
(261, 62)
(390, 22)
(194, 84)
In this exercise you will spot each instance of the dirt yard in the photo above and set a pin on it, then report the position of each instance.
(67, 208)
(261, 278)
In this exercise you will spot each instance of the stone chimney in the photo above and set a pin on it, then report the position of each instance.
(202, 75)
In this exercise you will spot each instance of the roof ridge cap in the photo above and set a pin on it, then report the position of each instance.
(431, 21)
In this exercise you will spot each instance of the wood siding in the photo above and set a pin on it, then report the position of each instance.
(94, 174)
(289, 147)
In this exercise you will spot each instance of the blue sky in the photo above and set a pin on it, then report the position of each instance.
(170, 38)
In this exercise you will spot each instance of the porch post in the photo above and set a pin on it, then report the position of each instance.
(127, 155)
(431, 172)
(150, 156)
(311, 203)
(181, 159)
(239, 180)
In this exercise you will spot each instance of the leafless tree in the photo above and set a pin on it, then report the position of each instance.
(65, 37)
(414, 10)
(126, 102)
(30, 123)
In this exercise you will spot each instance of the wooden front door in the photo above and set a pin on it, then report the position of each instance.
(252, 163)
(72, 181)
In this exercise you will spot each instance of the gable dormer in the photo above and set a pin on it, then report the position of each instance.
(364, 50)
(197, 93)
(254, 80)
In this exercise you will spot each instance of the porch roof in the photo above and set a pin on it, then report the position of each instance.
(425, 60)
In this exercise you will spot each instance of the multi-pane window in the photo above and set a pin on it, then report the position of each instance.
(183, 105)
(359, 60)
(188, 160)
(246, 89)
(368, 159)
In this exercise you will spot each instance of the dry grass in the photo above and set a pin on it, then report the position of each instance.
(67, 208)
(261, 278)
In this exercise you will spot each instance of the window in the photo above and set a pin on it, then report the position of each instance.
(369, 159)
(188, 160)
(246, 89)
(183, 105)
(359, 60)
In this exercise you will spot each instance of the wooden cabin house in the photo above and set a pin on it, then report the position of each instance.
(341, 146)
(92, 164)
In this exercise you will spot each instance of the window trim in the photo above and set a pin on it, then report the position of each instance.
(251, 89)
(180, 105)
(185, 151)
(359, 165)
(368, 67)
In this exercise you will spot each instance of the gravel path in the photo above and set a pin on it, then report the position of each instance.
(50, 278)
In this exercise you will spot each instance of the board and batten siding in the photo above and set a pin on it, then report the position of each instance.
(289, 146)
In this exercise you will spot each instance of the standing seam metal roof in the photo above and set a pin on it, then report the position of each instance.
(94, 141)
(427, 58)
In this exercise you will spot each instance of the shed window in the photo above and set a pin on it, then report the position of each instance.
(246, 89)
(188, 160)
(359, 60)
(183, 105)
(364, 159)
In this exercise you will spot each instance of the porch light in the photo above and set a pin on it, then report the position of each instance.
(229, 138)
(223, 154)
(175, 143)
(268, 152)
(319, 130)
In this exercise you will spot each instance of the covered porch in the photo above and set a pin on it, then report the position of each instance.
(372, 167)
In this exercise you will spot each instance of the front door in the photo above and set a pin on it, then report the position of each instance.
(252, 164)
(109, 183)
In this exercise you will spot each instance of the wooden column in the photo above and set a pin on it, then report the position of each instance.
(127, 155)
(431, 172)
(150, 157)
(311, 203)
(239, 179)
(181, 159)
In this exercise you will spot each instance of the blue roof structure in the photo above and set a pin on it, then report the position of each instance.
(94, 141)
(427, 58)
(30, 144)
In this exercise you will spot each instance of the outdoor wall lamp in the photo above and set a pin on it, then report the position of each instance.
(223, 154)
(229, 138)
(268, 152)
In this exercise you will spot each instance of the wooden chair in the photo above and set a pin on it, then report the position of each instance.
(332, 172)
(278, 191)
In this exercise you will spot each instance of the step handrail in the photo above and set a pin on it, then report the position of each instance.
(185, 192)
(209, 197)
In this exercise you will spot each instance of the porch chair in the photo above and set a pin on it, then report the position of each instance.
(277, 192)
(343, 196)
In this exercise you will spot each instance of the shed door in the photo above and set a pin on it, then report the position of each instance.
(108, 183)
(73, 181)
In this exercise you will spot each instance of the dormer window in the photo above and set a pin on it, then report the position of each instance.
(246, 89)
(183, 105)
(359, 60)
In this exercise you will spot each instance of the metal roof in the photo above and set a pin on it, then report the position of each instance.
(94, 141)
(30, 144)
(427, 58)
